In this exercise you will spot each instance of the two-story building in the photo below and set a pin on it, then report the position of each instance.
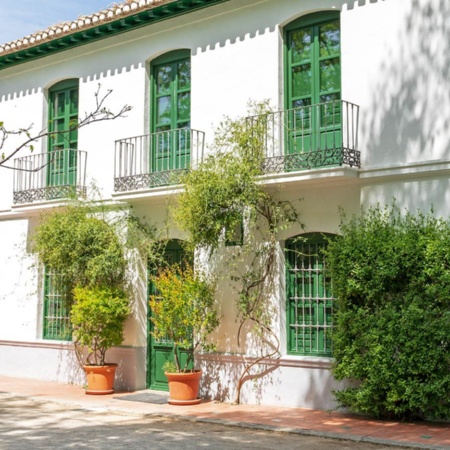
(361, 97)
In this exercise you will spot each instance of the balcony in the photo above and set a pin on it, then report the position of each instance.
(48, 176)
(156, 159)
(309, 137)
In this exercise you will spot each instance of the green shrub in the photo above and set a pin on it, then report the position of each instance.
(184, 311)
(81, 246)
(98, 317)
(391, 278)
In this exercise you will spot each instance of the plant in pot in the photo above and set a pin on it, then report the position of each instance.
(183, 311)
(83, 244)
(98, 318)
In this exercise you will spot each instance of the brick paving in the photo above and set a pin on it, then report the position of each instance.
(426, 435)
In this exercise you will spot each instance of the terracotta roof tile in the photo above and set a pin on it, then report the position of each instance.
(113, 12)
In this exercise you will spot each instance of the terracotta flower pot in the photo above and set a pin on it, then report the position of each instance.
(100, 379)
(184, 387)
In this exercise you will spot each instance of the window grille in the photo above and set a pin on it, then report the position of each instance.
(56, 321)
(309, 298)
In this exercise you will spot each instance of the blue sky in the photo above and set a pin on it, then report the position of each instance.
(19, 18)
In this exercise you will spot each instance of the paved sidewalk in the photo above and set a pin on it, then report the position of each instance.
(292, 420)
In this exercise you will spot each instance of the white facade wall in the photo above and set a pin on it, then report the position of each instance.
(395, 58)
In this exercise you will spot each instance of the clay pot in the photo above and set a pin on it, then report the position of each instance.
(100, 379)
(184, 387)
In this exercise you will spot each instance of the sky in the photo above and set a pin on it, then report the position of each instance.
(20, 18)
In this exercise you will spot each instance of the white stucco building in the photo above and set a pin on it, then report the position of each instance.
(362, 94)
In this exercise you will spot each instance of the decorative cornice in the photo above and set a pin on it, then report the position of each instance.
(115, 20)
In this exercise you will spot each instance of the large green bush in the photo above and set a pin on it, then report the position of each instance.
(391, 278)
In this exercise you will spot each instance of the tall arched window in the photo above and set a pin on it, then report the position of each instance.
(313, 84)
(63, 140)
(309, 300)
(171, 111)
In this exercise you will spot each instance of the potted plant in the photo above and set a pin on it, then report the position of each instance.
(98, 318)
(184, 312)
(83, 244)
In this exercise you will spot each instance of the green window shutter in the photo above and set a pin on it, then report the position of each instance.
(308, 296)
(63, 113)
(313, 83)
(171, 112)
(56, 323)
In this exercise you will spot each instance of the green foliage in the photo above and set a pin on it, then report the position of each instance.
(86, 243)
(98, 316)
(391, 276)
(224, 192)
(184, 310)
(224, 187)
(82, 247)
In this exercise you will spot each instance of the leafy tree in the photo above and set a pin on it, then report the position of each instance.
(184, 311)
(224, 193)
(88, 245)
(391, 278)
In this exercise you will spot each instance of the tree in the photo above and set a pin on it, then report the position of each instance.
(391, 279)
(99, 114)
(225, 193)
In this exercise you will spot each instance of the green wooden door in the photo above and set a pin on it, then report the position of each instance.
(313, 84)
(63, 113)
(160, 351)
(171, 136)
(309, 300)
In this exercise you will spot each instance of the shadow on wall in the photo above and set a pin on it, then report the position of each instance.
(410, 120)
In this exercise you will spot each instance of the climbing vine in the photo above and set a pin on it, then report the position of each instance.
(224, 193)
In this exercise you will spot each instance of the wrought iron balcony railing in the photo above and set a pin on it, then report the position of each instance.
(52, 175)
(156, 159)
(308, 137)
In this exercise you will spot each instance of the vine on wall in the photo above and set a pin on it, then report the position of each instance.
(226, 192)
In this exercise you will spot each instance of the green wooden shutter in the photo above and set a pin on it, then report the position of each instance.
(308, 295)
(63, 113)
(171, 112)
(313, 83)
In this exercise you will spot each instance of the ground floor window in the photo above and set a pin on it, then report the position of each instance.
(56, 320)
(308, 296)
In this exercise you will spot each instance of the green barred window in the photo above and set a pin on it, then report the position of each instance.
(56, 311)
(309, 298)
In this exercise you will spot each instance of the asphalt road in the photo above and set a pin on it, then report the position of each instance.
(29, 424)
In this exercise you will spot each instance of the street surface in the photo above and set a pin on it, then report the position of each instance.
(28, 424)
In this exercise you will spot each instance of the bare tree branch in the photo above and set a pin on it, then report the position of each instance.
(99, 114)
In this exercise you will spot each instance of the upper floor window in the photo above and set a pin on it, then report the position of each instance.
(63, 140)
(313, 83)
(171, 111)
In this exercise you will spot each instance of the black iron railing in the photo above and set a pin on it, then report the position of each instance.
(156, 159)
(50, 175)
(308, 137)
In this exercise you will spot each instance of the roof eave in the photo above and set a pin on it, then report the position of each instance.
(104, 30)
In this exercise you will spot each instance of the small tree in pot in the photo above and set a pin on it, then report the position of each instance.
(184, 311)
(98, 317)
(84, 244)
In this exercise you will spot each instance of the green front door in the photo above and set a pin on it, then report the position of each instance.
(171, 135)
(62, 145)
(160, 351)
(313, 84)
